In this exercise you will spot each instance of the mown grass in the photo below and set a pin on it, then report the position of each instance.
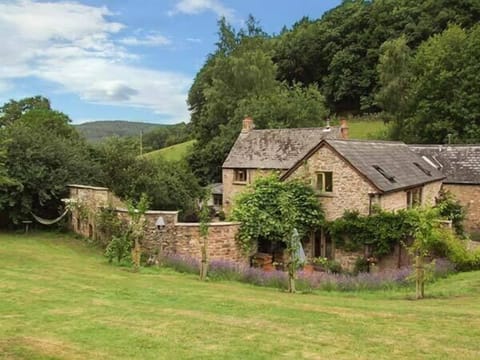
(60, 299)
(171, 153)
(367, 130)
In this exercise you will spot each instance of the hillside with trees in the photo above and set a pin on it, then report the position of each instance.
(338, 66)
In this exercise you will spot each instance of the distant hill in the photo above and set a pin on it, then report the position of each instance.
(97, 130)
(171, 153)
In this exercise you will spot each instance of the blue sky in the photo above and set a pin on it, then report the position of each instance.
(122, 59)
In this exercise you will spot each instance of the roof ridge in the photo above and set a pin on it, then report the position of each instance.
(444, 145)
(302, 128)
(370, 141)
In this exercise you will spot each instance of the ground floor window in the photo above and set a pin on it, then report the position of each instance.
(414, 198)
(323, 245)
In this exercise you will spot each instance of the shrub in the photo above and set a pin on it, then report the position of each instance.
(119, 248)
(451, 209)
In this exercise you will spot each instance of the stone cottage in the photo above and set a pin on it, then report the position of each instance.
(347, 174)
(461, 166)
(260, 152)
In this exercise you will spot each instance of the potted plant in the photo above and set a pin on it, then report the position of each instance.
(320, 263)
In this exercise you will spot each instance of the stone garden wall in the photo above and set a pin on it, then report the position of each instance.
(173, 238)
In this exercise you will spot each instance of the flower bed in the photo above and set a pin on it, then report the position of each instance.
(306, 281)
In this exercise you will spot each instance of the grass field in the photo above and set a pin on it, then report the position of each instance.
(61, 300)
(171, 153)
(366, 129)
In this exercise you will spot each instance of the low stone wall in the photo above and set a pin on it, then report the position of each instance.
(221, 241)
(173, 238)
(347, 259)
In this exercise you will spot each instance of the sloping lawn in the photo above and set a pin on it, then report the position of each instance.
(60, 299)
(171, 153)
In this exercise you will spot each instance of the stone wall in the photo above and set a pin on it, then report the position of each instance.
(397, 259)
(347, 258)
(393, 201)
(173, 238)
(221, 241)
(469, 197)
(350, 190)
(430, 193)
(232, 188)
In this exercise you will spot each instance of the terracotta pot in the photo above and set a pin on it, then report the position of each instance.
(267, 267)
(308, 268)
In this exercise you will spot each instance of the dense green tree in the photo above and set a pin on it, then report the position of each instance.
(340, 51)
(445, 92)
(284, 107)
(261, 211)
(14, 110)
(43, 153)
(433, 95)
(168, 185)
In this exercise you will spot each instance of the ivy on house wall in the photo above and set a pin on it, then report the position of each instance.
(380, 231)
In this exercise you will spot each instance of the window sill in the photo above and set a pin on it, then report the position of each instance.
(325, 194)
(239, 183)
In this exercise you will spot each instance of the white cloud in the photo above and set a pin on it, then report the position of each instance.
(193, 7)
(194, 40)
(72, 45)
(151, 39)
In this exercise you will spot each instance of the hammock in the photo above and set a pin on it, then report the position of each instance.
(49, 221)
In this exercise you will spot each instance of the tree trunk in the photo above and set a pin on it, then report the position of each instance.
(291, 277)
(136, 255)
(204, 264)
(420, 277)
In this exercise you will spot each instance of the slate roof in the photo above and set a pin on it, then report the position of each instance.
(216, 188)
(459, 163)
(389, 166)
(275, 148)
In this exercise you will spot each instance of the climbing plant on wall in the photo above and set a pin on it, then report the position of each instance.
(259, 211)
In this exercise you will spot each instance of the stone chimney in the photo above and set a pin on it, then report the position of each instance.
(344, 129)
(247, 124)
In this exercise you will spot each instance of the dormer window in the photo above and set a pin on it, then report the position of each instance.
(425, 171)
(385, 174)
(240, 175)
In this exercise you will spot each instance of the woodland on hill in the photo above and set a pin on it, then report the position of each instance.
(412, 64)
(414, 61)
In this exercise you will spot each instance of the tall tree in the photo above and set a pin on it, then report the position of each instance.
(340, 51)
(43, 154)
(435, 95)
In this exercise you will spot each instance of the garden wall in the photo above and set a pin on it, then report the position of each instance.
(173, 238)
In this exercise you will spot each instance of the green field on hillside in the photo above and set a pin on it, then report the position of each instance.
(171, 153)
(366, 129)
(61, 300)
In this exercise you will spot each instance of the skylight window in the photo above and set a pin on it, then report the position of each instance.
(385, 174)
(425, 171)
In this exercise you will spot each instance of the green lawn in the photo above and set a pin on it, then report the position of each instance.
(371, 129)
(171, 153)
(60, 299)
